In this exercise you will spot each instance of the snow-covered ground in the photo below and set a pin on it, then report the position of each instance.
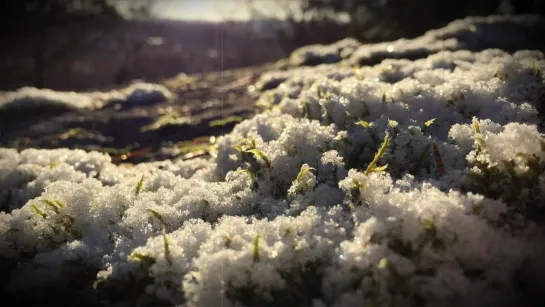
(406, 183)
(30, 97)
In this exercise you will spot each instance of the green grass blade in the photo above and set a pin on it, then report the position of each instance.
(139, 185)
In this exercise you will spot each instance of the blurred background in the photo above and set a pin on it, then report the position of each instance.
(99, 44)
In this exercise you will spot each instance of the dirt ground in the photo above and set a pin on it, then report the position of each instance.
(128, 133)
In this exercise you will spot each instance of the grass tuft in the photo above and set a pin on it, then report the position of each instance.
(256, 248)
(479, 142)
(364, 124)
(38, 211)
(141, 257)
(139, 185)
(304, 169)
(261, 155)
(427, 124)
(168, 255)
(54, 205)
(372, 166)
(157, 215)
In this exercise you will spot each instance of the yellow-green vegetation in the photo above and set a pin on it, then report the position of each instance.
(372, 168)
(256, 248)
(226, 121)
(139, 185)
(252, 177)
(166, 244)
(197, 147)
(304, 169)
(115, 151)
(74, 133)
(479, 142)
(364, 124)
(169, 118)
(181, 81)
(427, 124)
(248, 146)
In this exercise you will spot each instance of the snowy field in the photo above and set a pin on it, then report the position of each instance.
(416, 181)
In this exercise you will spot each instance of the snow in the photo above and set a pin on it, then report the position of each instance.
(31, 97)
(291, 211)
(470, 33)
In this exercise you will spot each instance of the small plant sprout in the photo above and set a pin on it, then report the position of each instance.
(383, 264)
(438, 160)
(358, 74)
(139, 185)
(158, 216)
(228, 241)
(357, 184)
(261, 155)
(38, 211)
(53, 164)
(287, 232)
(393, 124)
(372, 168)
(536, 69)
(54, 205)
(304, 169)
(355, 192)
(256, 248)
(364, 124)
(166, 244)
(141, 257)
(248, 146)
(427, 124)
(252, 177)
(168, 255)
(479, 142)
(99, 281)
(499, 75)
(428, 225)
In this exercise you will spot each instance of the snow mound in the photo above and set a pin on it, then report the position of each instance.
(400, 184)
(323, 54)
(31, 97)
(509, 33)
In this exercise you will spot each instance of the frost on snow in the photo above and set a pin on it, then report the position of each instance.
(406, 183)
